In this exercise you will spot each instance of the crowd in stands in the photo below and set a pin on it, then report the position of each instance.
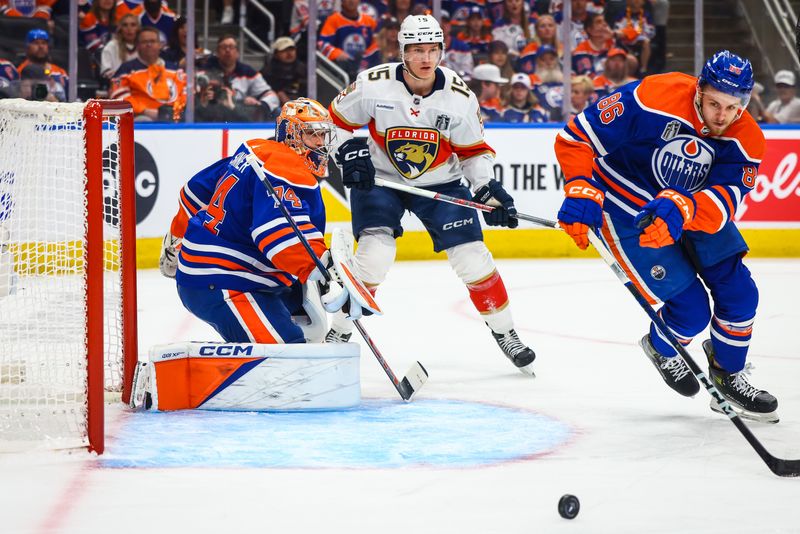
(510, 53)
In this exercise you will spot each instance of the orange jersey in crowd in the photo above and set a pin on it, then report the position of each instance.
(40, 9)
(150, 87)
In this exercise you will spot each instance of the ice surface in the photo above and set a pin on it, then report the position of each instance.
(639, 457)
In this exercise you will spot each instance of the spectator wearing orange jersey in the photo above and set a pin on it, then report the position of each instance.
(615, 73)
(38, 9)
(37, 56)
(97, 27)
(155, 89)
(589, 56)
(348, 38)
(635, 30)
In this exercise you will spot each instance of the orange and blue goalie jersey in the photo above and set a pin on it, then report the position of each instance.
(648, 136)
(240, 239)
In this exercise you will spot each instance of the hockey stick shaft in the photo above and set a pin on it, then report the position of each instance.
(405, 387)
(781, 467)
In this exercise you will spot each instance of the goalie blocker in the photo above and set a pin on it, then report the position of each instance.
(248, 377)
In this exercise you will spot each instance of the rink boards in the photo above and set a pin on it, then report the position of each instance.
(167, 155)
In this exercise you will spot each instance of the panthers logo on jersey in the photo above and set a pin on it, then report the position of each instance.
(412, 150)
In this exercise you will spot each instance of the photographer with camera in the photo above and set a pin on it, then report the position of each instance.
(252, 95)
(52, 79)
(214, 101)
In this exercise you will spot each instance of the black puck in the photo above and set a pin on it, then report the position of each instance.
(568, 506)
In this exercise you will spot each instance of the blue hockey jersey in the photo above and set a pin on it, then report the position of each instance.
(237, 238)
(649, 136)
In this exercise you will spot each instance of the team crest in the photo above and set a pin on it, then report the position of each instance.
(442, 122)
(412, 150)
(671, 130)
(684, 161)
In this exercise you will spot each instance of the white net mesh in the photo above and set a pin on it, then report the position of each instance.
(43, 211)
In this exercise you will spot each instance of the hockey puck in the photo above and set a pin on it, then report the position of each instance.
(568, 506)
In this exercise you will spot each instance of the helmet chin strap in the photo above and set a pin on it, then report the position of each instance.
(408, 70)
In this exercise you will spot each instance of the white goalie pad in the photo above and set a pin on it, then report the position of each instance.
(314, 323)
(254, 377)
(342, 256)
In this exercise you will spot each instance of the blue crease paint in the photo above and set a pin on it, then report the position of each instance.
(381, 434)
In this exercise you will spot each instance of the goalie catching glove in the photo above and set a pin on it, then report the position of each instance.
(357, 168)
(168, 263)
(343, 291)
(504, 211)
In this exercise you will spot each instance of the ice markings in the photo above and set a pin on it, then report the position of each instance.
(378, 434)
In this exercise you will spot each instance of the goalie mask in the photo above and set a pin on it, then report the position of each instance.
(302, 121)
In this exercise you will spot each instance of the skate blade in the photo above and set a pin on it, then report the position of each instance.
(770, 417)
(528, 369)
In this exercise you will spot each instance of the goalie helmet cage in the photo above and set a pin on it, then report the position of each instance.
(67, 270)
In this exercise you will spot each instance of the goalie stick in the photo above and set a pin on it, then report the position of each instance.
(417, 375)
(779, 466)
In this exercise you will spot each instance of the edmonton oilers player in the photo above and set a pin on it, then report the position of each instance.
(240, 266)
(424, 130)
(658, 169)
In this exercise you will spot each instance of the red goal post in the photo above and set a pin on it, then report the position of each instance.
(67, 270)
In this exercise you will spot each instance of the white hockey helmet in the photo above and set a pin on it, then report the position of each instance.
(418, 29)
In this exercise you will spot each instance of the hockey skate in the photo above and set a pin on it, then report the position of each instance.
(516, 351)
(747, 401)
(673, 370)
(334, 336)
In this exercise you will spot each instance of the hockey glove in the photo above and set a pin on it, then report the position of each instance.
(504, 212)
(343, 291)
(582, 208)
(168, 263)
(357, 169)
(664, 217)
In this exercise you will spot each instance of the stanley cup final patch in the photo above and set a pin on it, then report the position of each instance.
(412, 150)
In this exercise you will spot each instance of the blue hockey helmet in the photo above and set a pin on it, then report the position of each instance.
(730, 74)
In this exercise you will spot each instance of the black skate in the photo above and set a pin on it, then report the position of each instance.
(516, 351)
(673, 370)
(747, 401)
(334, 336)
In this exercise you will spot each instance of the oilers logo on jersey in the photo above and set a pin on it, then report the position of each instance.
(684, 161)
(412, 150)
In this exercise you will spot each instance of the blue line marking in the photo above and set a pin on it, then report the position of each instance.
(378, 434)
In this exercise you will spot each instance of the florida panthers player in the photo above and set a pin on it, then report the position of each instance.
(240, 267)
(424, 130)
(658, 169)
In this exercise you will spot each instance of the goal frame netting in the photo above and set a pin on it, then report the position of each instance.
(100, 121)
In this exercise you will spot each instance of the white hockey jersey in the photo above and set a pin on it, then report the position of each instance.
(417, 140)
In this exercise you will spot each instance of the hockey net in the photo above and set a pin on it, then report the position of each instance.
(67, 270)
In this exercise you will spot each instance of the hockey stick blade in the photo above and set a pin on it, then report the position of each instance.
(784, 468)
(413, 381)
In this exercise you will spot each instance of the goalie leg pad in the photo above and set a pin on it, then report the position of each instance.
(255, 377)
(314, 322)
